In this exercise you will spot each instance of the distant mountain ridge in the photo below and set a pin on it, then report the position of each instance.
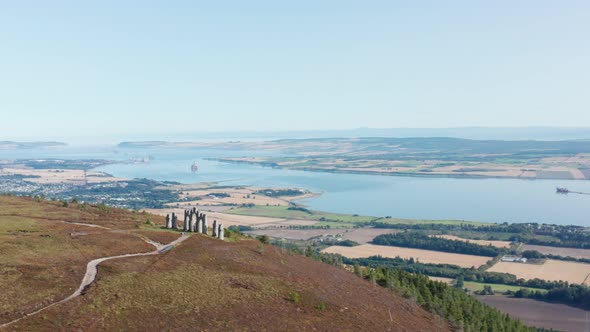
(477, 133)
(12, 145)
(438, 145)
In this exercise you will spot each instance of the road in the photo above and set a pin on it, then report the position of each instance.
(92, 270)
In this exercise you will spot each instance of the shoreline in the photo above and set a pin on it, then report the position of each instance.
(398, 174)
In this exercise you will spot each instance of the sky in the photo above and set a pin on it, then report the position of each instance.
(74, 68)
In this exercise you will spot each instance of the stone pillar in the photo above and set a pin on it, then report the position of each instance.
(220, 232)
(214, 228)
(204, 224)
(168, 222)
(192, 221)
(199, 224)
(185, 222)
(174, 221)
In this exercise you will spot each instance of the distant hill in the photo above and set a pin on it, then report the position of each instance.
(408, 147)
(478, 133)
(445, 146)
(202, 284)
(10, 145)
(142, 144)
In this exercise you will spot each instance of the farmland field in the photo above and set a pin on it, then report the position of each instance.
(360, 235)
(571, 272)
(334, 218)
(540, 314)
(448, 281)
(478, 286)
(240, 220)
(423, 256)
(498, 244)
(571, 252)
(284, 212)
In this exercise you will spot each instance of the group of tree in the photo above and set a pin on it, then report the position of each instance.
(300, 209)
(454, 272)
(574, 295)
(418, 240)
(280, 192)
(340, 242)
(568, 236)
(465, 312)
(534, 254)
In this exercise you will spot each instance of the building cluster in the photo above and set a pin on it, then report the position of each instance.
(513, 259)
(196, 222)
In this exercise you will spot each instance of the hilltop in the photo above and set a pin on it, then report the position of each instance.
(201, 284)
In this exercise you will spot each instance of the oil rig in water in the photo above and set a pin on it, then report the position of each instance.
(562, 190)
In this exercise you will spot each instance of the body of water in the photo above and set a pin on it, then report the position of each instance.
(493, 200)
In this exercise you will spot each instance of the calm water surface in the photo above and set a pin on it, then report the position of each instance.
(495, 200)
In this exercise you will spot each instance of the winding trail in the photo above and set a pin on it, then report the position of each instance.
(92, 269)
(87, 225)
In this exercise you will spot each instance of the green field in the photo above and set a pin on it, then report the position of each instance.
(477, 286)
(334, 219)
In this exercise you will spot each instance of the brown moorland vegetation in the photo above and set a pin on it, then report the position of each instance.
(202, 284)
(539, 313)
(43, 258)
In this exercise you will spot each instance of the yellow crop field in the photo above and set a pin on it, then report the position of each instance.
(498, 244)
(423, 256)
(571, 272)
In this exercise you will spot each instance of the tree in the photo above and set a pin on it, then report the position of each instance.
(309, 252)
(357, 270)
(532, 254)
(460, 282)
(264, 239)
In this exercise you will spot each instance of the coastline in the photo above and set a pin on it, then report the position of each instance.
(398, 174)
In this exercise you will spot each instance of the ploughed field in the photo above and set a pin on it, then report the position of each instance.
(552, 270)
(200, 284)
(423, 256)
(540, 314)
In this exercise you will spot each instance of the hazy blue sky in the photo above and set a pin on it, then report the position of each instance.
(81, 67)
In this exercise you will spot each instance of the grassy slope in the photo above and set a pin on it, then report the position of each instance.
(203, 284)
